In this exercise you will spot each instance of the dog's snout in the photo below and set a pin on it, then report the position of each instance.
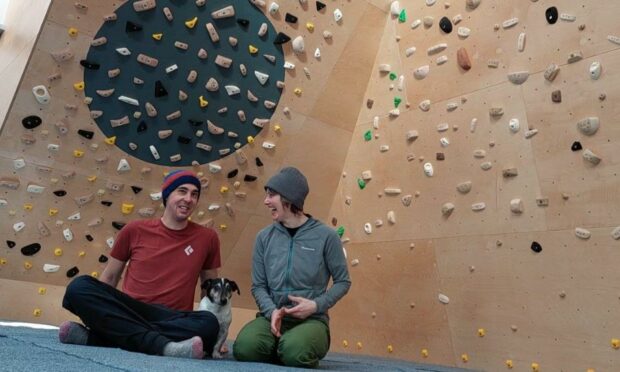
(224, 301)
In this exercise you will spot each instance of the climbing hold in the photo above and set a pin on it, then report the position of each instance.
(464, 358)
(556, 96)
(576, 146)
(588, 126)
(191, 23)
(591, 157)
(582, 233)
(86, 133)
(428, 169)
(518, 77)
(132, 27)
(462, 59)
(481, 332)
(289, 18)
(402, 16)
(31, 249)
(160, 91)
(535, 367)
(72, 272)
(298, 44)
(443, 298)
(337, 15)
(551, 15)
(536, 247)
(445, 25)
(447, 209)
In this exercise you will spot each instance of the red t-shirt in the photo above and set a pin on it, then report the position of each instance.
(164, 264)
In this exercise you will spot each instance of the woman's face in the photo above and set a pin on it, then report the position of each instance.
(273, 201)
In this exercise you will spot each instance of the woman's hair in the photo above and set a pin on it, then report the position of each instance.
(285, 202)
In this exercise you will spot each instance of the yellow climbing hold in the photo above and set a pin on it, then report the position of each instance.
(252, 49)
(36, 312)
(359, 344)
(390, 348)
(464, 358)
(277, 128)
(310, 26)
(223, 227)
(81, 254)
(79, 86)
(481, 332)
(28, 206)
(127, 208)
(424, 353)
(110, 140)
(509, 363)
(224, 189)
(27, 265)
(58, 252)
(94, 274)
(345, 343)
(202, 101)
(615, 343)
(42, 290)
(157, 36)
(191, 23)
(250, 139)
(72, 31)
(3, 261)
(91, 178)
(535, 367)
(297, 91)
(78, 153)
(52, 211)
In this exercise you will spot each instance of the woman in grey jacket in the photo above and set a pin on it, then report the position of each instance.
(293, 261)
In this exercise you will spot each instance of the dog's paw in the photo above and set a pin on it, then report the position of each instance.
(216, 355)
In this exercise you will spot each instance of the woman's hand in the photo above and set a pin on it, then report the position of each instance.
(303, 308)
(276, 321)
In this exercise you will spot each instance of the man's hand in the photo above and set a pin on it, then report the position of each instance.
(276, 321)
(302, 310)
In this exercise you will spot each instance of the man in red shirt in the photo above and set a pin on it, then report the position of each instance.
(164, 259)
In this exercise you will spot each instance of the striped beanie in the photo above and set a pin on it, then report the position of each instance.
(177, 178)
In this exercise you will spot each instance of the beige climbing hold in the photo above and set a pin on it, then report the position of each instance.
(510, 23)
(542, 202)
(582, 233)
(391, 217)
(479, 153)
(451, 106)
(62, 55)
(510, 172)
(496, 112)
(493, 63)
(144, 5)
(521, 42)
(392, 191)
(385, 68)
(164, 133)
(213, 35)
(516, 206)
(412, 135)
(298, 44)
(486, 165)
(443, 298)
(574, 56)
(123, 166)
(464, 187)
(476, 207)
(472, 4)
(415, 24)
(462, 31)
(615, 233)
(214, 129)
(203, 146)
(531, 133)
(425, 105)
(406, 200)
(260, 122)
(222, 61)
(410, 51)
(588, 126)
(463, 60)
(591, 157)
(551, 72)
(367, 175)
(447, 209)
(614, 39)
(212, 85)
(394, 112)
(428, 21)
(99, 41)
(518, 77)
(421, 72)
(202, 54)
(119, 122)
(441, 60)
(568, 17)
(251, 96)
(114, 72)
(225, 12)
(146, 60)
(173, 115)
(105, 92)
(151, 111)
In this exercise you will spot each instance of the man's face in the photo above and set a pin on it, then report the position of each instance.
(182, 201)
(273, 201)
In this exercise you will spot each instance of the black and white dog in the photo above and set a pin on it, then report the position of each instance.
(217, 301)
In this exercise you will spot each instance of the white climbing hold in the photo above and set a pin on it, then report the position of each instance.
(298, 44)
(269, 145)
(589, 125)
(464, 187)
(395, 8)
(262, 77)
(129, 100)
(486, 165)
(441, 60)
(516, 206)
(289, 65)
(473, 124)
(568, 17)
(428, 169)
(510, 22)
(19, 163)
(443, 298)
(444, 142)
(232, 90)
(442, 127)
(391, 217)
(123, 51)
(614, 39)
(337, 15)
(437, 48)
(514, 125)
(75, 217)
(582, 233)
(273, 7)
(410, 51)
(425, 105)
(68, 234)
(595, 70)
(123, 166)
(421, 72)
(19, 226)
(50, 268)
(109, 242)
(154, 152)
(591, 157)
(41, 94)
(368, 228)
(518, 77)
(476, 207)
(317, 53)
(521, 42)
(530, 133)
(463, 32)
(416, 23)
(615, 233)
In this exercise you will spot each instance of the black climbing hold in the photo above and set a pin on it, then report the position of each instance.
(289, 18)
(320, 6)
(232, 173)
(195, 122)
(107, 203)
(281, 38)
(136, 189)
(551, 14)
(576, 146)
(118, 225)
(243, 22)
(184, 140)
(60, 193)
(72, 272)
(142, 126)
(160, 91)
(132, 27)
(89, 65)
(89, 238)
(445, 25)
(536, 247)
(10, 243)
(86, 133)
(259, 163)
(249, 178)
(31, 122)
(31, 249)
(103, 258)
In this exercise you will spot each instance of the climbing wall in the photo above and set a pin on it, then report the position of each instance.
(465, 151)
(478, 195)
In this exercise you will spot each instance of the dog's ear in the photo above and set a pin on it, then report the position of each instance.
(234, 287)
(206, 284)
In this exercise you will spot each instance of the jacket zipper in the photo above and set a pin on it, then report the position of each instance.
(289, 263)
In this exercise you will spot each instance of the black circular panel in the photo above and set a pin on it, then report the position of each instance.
(139, 32)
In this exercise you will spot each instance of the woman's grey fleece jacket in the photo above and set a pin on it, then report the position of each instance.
(299, 266)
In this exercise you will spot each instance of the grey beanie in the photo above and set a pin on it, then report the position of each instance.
(291, 184)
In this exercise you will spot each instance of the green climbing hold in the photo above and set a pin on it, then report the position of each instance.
(368, 135)
(393, 76)
(402, 17)
(340, 231)
(397, 101)
(361, 183)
